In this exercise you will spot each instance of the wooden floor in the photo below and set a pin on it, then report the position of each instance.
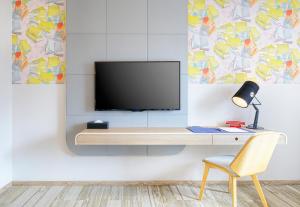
(145, 196)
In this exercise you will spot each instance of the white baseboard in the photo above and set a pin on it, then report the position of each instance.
(159, 182)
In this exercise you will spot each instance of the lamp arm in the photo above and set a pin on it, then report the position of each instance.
(256, 115)
(258, 102)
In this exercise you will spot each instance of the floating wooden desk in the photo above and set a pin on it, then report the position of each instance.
(160, 136)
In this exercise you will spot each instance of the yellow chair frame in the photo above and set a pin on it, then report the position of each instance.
(252, 159)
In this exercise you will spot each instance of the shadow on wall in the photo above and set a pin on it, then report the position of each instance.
(213, 105)
(116, 150)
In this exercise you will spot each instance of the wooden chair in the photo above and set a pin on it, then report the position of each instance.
(252, 159)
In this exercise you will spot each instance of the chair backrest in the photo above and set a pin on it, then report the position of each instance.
(255, 155)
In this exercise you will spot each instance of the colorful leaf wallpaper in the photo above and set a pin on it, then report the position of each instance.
(38, 41)
(231, 41)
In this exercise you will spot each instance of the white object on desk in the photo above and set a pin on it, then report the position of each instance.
(98, 122)
(234, 130)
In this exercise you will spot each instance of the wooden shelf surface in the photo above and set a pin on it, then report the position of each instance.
(141, 136)
(159, 136)
(138, 131)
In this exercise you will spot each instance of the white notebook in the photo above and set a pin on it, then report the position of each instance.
(233, 130)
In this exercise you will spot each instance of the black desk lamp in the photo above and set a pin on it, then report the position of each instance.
(244, 97)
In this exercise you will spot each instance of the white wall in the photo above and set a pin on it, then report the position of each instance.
(40, 152)
(39, 138)
(211, 105)
(5, 94)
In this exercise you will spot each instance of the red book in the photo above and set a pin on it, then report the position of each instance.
(235, 124)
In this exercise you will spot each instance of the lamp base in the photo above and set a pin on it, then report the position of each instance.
(252, 127)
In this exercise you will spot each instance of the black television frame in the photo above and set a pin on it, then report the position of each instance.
(152, 61)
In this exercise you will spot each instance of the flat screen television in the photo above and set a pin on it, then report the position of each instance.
(137, 86)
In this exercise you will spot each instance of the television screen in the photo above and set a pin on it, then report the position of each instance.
(137, 86)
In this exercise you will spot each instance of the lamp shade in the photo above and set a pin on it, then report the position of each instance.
(245, 94)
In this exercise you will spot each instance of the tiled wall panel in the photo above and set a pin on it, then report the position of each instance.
(116, 30)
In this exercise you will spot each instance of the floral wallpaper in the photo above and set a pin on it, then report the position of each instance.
(231, 41)
(38, 41)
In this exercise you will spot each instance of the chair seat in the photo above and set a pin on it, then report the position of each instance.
(223, 161)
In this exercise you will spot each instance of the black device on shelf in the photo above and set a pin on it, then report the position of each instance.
(97, 125)
(137, 86)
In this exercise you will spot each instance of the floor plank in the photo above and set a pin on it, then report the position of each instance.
(11, 194)
(36, 197)
(285, 194)
(49, 197)
(155, 197)
(145, 196)
(272, 199)
(25, 196)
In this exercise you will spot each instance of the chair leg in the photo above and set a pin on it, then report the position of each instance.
(205, 174)
(234, 191)
(259, 190)
(230, 184)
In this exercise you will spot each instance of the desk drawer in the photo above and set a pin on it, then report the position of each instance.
(224, 139)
